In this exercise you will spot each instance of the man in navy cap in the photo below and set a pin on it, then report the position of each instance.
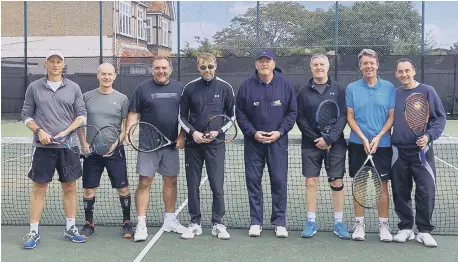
(266, 110)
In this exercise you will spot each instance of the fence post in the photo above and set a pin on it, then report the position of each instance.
(101, 33)
(178, 51)
(258, 48)
(336, 52)
(422, 41)
(455, 85)
(26, 71)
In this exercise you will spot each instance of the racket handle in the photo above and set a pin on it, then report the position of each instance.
(327, 160)
(423, 157)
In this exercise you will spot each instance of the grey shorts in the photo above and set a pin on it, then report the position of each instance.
(313, 160)
(165, 161)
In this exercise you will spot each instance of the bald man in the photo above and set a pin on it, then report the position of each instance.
(106, 107)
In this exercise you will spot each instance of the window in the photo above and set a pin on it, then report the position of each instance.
(124, 18)
(148, 30)
(140, 24)
(165, 32)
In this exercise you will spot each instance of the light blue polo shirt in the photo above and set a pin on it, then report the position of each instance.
(371, 106)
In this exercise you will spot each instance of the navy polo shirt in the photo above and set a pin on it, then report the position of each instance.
(371, 106)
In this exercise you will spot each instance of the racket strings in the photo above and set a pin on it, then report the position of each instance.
(327, 114)
(146, 137)
(416, 112)
(367, 188)
(107, 138)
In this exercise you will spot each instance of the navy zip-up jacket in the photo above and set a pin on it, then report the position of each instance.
(308, 100)
(403, 136)
(203, 99)
(266, 107)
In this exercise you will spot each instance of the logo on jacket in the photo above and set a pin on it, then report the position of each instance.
(276, 103)
(256, 103)
(216, 95)
(332, 93)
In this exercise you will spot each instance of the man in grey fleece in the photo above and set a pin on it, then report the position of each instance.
(53, 107)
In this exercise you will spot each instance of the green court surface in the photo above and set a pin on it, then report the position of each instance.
(18, 129)
(107, 245)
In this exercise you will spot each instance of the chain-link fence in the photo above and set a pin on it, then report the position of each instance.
(128, 33)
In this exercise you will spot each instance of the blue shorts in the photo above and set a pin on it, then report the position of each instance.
(115, 164)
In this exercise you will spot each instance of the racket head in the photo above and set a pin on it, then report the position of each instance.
(326, 115)
(224, 126)
(145, 137)
(107, 140)
(416, 112)
(367, 187)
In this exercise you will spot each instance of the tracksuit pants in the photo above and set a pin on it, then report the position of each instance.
(276, 155)
(214, 156)
(406, 168)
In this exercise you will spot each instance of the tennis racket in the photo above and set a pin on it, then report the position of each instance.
(416, 115)
(80, 140)
(221, 128)
(326, 116)
(145, 137)
(367, 185)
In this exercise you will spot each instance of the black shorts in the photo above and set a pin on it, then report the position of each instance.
(381, 158)
(313, 160)
(94, 165)
(46, 160)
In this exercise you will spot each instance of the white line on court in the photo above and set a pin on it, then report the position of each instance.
(160, 232)
(9, 160)
(445, 162)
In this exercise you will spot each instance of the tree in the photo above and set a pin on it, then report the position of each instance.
(205, 46)
(276, 28)
(454, 49)
(289, 28)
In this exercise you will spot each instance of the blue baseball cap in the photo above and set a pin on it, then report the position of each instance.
(266, 53)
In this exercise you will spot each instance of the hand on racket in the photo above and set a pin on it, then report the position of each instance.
(44, 138)
(220, 128)
(373, 144)
(201, 138)
(367, 185)
(422, 141)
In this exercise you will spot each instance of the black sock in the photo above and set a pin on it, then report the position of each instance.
(125, 204)
(89, 209)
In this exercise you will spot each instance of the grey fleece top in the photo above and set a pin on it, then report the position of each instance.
(53, 111)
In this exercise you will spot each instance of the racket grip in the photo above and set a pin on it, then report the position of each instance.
(423, 157)
(327, 160)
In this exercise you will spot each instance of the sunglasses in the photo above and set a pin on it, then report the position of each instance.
(204, 67)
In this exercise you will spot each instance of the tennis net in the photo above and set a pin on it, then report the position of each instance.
(16, 187)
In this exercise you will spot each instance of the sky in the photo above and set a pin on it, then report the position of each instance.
(204, 19)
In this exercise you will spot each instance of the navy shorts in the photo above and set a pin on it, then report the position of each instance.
(381, 158)
(115, 164)
(313, 160)
(45, 161)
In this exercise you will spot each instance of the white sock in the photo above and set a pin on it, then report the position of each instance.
(34, 227)
(311, 216)
(383, 220)
(338, 216)
(141, 220)
(169, 216)
(69, 222)
(360, 219)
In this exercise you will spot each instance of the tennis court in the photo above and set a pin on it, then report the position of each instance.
(16, 157)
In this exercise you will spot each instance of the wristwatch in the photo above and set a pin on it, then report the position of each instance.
(37, 130)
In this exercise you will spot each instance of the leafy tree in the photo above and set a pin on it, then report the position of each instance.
(454, 48)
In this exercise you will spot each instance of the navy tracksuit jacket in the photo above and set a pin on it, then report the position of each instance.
(406, 164)
(266, 107)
